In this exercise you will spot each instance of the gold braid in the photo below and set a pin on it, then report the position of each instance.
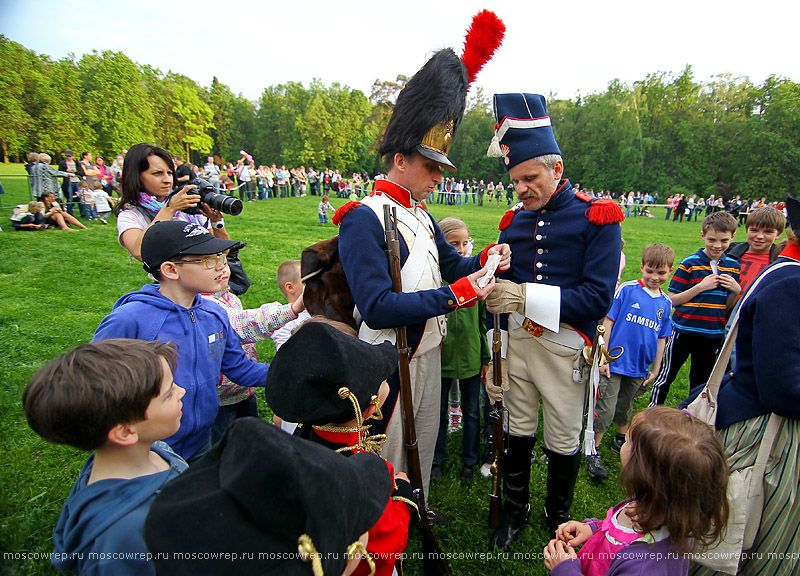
(365, 442)
(308, 552)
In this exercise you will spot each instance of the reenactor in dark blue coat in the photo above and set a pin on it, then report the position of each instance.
(565, 260)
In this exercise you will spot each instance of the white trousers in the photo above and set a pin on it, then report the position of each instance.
(426, 385)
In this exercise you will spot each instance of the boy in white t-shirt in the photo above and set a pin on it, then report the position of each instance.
(638, 322)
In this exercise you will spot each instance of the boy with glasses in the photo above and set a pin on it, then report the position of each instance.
(186, 260)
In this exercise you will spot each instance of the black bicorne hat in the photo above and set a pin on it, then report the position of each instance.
(306, 376)
(262, 502)
(793, 214)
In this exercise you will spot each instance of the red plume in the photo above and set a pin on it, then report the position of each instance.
(483, 37)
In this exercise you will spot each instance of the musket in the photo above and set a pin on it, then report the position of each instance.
(498, 448)
(434, 559)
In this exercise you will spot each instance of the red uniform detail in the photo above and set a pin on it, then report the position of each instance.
(399, 194)
(605, 212)
(485, 255)
(505, 221)
(341, 212)
(464, 293)
(389, 536)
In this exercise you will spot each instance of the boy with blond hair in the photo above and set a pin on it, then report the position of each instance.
(290, 284)
(639, 323)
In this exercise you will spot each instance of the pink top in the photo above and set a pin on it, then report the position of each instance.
(596, 554)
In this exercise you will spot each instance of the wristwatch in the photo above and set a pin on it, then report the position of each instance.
(219, 224)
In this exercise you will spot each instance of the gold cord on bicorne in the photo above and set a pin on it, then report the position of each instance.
(358, 547)
(308, 553)
(365, 442)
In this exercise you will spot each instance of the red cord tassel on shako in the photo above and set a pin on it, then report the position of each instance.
(483, 37)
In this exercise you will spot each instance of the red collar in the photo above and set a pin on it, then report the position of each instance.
(394, 191)
(791, 251)
(343, 438)
(561, 185)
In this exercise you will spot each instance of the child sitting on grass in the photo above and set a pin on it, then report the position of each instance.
(676, 477)
(187, 260)
(117, 399)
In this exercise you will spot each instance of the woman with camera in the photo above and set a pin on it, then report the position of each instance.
(146, 196)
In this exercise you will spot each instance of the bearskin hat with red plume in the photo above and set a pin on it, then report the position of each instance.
(430, 107)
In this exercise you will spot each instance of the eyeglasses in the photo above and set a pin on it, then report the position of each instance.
(210, 262)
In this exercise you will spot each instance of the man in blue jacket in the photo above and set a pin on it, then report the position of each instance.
(414, 149)
(566, 249)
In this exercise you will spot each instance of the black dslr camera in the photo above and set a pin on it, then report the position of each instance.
(208, 194)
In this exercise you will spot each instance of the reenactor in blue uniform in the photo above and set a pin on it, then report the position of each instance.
(414, 150)
(565, 259)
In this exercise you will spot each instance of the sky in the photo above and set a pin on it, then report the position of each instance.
(562, 48)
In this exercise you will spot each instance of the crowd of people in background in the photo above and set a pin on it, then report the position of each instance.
(89, 183)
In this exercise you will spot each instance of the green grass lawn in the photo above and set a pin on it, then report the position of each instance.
(57, 286)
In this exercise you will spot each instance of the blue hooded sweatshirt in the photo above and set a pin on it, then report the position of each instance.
(101, 527)
(207, 346)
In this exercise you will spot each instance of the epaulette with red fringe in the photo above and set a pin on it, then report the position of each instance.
(505, 221)
(342, 212)
(601, 211)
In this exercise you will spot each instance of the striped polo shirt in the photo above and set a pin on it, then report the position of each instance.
(705, 315)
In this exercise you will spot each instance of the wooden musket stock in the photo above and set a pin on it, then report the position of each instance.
(434, 560)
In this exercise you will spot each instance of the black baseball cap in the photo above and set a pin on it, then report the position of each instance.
(165, 240)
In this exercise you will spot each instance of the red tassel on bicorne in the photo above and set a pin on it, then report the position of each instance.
(483, 37)
(605, 212)
(505, 222)
(341, 212)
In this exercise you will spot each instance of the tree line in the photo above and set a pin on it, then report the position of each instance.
(665, 134)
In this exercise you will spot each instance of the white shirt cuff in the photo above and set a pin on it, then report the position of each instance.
(543, 305)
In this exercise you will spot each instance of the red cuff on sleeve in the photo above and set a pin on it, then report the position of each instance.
(485, 255)
(463, 293)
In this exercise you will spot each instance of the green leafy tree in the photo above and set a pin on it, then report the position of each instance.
(15, 121)
(115, 99)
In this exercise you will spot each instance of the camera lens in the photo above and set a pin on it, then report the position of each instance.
(226, 204)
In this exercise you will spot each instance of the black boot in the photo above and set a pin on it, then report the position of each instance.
(516, 492)
(562, 471)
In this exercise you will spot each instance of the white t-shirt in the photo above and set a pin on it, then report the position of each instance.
(131, 217)
(101, 203)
